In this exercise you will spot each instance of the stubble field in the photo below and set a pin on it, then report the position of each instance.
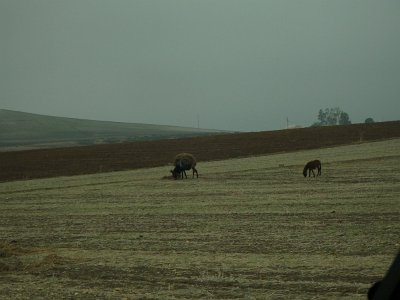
(250, 228)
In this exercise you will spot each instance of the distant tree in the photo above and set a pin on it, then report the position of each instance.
(344, 118)
(369, 121)
(321, 118)
(332, 116)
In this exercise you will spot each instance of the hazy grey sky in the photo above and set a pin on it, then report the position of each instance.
(239, 65)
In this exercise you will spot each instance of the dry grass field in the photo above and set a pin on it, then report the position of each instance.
(250, 228)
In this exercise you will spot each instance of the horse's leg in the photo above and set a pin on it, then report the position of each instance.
(195, 171)
(185, 174)
(312, 170)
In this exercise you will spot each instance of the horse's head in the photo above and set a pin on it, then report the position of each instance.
(305, 172)
(175, 173)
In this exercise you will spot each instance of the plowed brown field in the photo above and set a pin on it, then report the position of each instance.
(114, 157)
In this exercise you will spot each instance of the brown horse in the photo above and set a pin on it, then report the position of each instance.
(310, 166)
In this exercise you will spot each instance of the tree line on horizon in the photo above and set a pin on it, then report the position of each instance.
(334, 116)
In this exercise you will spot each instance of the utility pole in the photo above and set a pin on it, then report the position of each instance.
(198, 121)
(287, 122)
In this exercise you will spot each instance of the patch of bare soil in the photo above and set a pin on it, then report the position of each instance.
(115, 157)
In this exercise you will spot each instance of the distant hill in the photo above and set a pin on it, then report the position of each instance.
(20, 130)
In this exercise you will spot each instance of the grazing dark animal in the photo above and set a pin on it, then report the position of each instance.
(183, 162)
(311, 166)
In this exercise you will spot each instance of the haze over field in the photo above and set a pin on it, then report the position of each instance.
(22, 131)
(226, 64)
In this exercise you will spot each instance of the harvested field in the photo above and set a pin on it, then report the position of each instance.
(106, 158)
(250, 228)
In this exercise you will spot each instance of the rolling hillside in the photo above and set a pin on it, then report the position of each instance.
(19, 130)
(16, 165)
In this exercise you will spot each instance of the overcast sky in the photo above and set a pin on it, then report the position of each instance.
(236, 65)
